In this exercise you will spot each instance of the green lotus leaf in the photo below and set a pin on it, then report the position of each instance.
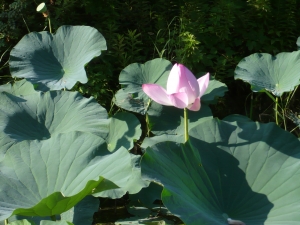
(134, 184)
(148, 142)
(214, 90)
(48, 177)
(144, 216)
(82, 213)
(32, 219)
(237, 118)
(43, 115)
(298, 43)
(61, 222)
(242, 171)
(56, 61)
(169, 120)
(132, 97)
(276, 74)
(124, 129)
(21, 87)
(147, 196)
(21, 222)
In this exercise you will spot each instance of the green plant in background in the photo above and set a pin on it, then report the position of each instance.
(205, 35)
(59, 150)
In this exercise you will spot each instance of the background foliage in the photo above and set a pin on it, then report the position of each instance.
(204, 35)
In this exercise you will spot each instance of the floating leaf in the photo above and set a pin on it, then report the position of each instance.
(56, 61)
(240, 170)
(277, 74)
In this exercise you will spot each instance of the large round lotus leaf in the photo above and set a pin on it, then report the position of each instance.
(124, 129)
(132, 97)
(43, 115)
(48, 177)
(170, 120)
(133, 186)
(56, 61)
(21, 87)
(244, 171)
(277, 74)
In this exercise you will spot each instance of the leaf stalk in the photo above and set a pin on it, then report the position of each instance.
(186, 124)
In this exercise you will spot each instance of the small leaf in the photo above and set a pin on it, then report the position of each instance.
(132, 97)
(124, 128)
(134, 184)
(214, 90)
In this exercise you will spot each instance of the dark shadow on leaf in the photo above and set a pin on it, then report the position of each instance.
(269, 133)
(235, 196)
(204, 184)
(22, 126)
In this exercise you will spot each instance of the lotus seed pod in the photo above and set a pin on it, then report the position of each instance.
(41, 8)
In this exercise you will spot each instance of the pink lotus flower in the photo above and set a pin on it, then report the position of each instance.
(183, 89)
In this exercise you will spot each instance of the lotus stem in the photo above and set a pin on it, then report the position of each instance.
(6, 222)
(251, 106)
(276, 110)
(186, 124)
(50, 29)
